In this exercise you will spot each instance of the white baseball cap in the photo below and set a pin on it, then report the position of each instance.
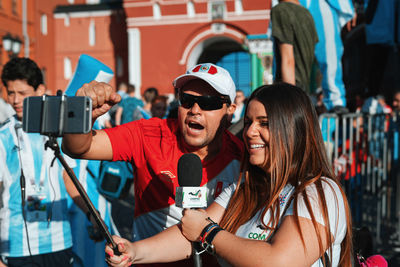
(218, 77)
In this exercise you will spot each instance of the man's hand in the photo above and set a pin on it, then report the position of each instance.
(351, 23)
(103, 97)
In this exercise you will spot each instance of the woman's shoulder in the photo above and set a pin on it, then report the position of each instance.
(332, 197)
(329, 186)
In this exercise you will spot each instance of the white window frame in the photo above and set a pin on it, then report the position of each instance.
(67, 68)
(92, 2)
(238, 7)
(43, 24)
(92, 33)
(156, 11)
(191, 12)
(67, 21)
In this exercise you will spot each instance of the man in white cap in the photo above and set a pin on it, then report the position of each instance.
(206, 94)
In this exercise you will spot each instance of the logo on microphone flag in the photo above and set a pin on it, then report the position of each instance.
(197, 194)
(191, 197)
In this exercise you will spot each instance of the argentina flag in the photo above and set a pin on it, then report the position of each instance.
(88, 69)
(329, 17)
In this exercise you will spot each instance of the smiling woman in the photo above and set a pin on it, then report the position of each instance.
(256, 133)
(286, 173)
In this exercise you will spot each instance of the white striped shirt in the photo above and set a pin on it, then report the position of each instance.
(45, 236)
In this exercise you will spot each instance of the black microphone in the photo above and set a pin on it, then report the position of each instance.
(189, 194)
(22, 182)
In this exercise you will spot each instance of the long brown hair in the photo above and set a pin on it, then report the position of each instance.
(296, 156)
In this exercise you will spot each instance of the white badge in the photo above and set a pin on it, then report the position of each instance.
(36, 209)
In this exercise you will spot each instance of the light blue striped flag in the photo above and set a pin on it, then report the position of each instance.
(88, 69)
(329, 17)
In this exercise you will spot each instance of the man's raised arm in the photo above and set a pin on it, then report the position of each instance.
(96, 144)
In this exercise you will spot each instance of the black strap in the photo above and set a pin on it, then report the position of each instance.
(212, 234)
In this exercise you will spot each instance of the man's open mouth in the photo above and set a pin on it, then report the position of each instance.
(194, 125)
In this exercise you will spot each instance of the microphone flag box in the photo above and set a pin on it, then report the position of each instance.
(191, 197)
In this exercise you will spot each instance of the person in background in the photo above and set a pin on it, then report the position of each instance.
(295, 37)
(396, 100)
(319, 102)
(286, 209)
(330, 17)
(144, 112)
(123, 90)
(159, 107)
(173, 106)
(240, 103)
(127, 107)
(35, 230)
(382, 101)
(154, 146)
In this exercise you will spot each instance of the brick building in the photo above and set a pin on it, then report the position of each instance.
(145, 42)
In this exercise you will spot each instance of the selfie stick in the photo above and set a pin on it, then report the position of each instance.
(52, 143)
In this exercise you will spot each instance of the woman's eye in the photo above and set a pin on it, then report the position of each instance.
(264, 123)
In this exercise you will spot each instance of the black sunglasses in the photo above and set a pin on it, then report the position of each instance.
(206, 102)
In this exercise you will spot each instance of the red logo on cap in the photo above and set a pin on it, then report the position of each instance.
(205, 68)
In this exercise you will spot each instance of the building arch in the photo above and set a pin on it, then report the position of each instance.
(225, 49)
(208, 36)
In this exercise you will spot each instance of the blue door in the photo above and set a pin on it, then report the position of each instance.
(238, 65)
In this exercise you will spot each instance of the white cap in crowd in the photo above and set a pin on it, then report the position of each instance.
(216, 76)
